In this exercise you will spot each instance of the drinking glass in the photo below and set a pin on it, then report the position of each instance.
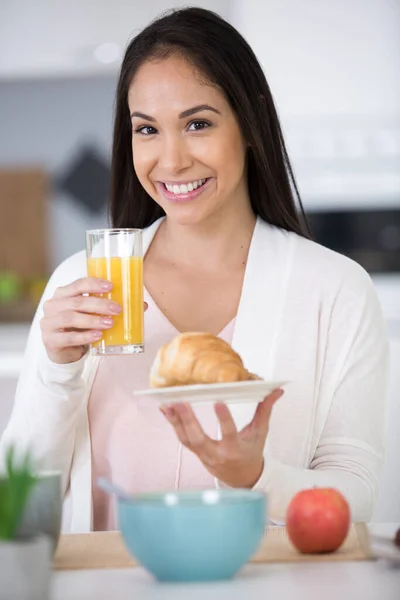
(117, 256)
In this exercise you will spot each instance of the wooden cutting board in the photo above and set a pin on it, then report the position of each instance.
(106, 550)
(23, 223)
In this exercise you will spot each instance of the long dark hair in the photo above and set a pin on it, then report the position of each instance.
(225, 58)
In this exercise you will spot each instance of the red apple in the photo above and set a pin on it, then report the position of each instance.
(318, 520)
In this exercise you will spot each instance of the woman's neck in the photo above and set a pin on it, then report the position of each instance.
(221, 242)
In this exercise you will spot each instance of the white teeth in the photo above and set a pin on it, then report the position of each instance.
(185, 187)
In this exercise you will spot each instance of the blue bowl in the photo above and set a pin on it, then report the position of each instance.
(195, 535)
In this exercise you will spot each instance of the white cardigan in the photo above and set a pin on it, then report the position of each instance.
(306, 315)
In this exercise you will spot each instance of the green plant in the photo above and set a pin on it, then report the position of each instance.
(15, 488)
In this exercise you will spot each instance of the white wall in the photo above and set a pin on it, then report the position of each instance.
(327, 57)
(333, 67)
(57, 37)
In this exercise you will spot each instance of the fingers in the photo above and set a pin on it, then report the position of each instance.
(55, 341)
(63, 314)
(82, 304)
(193, 430)
(188, 428)
(77, 315)
(263, 412)
(173, 418)
(227, 424)
(74, 320)
(85, 285)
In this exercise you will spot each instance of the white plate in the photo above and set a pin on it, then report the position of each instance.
(239, 391)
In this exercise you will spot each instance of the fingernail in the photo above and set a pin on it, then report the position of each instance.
(106, 285)
(96, 335)
(106, 322)
(115, 308)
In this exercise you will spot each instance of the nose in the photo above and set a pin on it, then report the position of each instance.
(175, 156)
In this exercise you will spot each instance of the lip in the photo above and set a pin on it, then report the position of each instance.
(181, 197)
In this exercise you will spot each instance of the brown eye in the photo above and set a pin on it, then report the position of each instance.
(146, 130)
(198, 125)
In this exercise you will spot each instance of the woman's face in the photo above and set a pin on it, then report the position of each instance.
(188, 150)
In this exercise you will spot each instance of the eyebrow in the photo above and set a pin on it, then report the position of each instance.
(186, 113)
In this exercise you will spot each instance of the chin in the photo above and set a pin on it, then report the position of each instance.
(186, 215)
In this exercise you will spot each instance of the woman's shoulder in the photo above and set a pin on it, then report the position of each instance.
(325, 268)
(329, 269)
(307, 250)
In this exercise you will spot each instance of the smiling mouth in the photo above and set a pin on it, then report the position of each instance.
(184, 188)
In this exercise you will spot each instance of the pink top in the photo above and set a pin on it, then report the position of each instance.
(132, 442)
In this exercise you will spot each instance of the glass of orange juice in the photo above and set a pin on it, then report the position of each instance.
(117, 256)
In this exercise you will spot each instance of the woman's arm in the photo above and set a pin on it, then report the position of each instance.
(49, 396)
(350, 451)
(347, 449)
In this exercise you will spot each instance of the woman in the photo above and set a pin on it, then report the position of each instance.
(200, 164)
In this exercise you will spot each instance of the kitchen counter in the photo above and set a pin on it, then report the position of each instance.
(363, 580)
(355, 581)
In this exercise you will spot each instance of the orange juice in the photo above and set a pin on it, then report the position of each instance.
(126, 275)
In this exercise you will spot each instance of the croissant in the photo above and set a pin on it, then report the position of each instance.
(196, 357)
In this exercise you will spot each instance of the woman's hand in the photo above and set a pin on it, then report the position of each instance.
(236, 459)
(72, 321)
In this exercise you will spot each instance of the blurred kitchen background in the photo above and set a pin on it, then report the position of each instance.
(334, 70)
